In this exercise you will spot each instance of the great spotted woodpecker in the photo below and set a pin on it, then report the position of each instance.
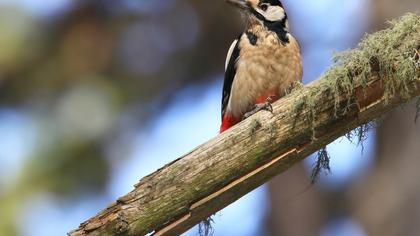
(261, 64)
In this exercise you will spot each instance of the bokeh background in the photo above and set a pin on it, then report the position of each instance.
(95, 95)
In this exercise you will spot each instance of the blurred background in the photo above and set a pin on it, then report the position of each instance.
(95, 95)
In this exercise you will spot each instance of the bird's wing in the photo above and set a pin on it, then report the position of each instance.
(230, 71)
(229, 54)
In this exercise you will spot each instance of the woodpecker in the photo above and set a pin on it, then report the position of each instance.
(261, 64)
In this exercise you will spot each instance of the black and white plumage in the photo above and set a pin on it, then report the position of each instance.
(262, 63)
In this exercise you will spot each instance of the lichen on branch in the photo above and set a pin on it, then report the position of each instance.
(392, 54)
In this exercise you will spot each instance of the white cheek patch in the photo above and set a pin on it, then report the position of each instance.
(273, 13)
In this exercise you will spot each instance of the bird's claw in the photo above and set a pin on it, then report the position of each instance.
(260, 106)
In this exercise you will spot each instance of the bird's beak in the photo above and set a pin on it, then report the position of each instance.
(241, 4)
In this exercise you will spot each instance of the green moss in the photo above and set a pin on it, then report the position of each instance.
(255, 125)
(307, 100)
(391, 54)
(294, 86)
(272, 130)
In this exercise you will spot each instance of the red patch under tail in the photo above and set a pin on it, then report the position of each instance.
(228, 121)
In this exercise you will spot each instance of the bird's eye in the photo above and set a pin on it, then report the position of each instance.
(264, 7)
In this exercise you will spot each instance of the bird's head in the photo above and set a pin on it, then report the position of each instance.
(263, 11)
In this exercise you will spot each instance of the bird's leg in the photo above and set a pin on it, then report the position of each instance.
(260, 106)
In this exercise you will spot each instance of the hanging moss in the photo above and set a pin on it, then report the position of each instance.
(205, 227)
(360, 134)
(322, 164)
(391, 54)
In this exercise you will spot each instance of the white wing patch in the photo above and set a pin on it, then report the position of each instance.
(229, 55)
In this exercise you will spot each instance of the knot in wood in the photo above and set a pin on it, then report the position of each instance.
(121, 227)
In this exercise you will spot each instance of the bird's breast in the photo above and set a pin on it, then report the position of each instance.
(267, 68)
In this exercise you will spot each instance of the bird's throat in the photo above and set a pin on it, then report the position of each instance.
(277, 27)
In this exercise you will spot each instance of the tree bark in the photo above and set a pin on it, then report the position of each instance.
(217, 173)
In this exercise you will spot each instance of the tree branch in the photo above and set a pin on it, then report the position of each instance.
(365, 83)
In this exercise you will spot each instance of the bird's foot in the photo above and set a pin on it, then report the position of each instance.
(260, 106)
